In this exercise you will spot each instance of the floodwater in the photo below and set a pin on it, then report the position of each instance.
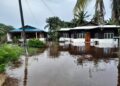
(68, 65)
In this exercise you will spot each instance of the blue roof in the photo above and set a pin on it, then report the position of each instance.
(27, 29)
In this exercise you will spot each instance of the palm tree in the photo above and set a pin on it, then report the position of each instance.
(80, 18)
(99, 9)
(116, 10)
(99, 12)
(80, 6)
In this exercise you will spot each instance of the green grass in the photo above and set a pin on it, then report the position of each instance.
(35, 43)
(8, 54)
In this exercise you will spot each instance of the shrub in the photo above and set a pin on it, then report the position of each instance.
(36, 43)
(9, 53)
(2, 68)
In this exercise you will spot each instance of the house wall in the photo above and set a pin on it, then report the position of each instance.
(40, 35)
(9, 39)
(97, 35)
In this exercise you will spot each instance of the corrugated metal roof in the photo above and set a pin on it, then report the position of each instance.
(89, 27)
(27, 29)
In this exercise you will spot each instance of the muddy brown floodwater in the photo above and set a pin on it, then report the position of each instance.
(68, 65)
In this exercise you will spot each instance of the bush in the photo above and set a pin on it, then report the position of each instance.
(36, 43)
(2, 68)
(9, 53)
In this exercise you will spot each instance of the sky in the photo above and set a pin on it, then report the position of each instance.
(37, 11)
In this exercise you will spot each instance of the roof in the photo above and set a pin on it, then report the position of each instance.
(109, 26)
(65, 29)
(27, 29)
(86, 27)
(90, 27)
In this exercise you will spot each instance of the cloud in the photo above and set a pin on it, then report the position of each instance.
(36, 11)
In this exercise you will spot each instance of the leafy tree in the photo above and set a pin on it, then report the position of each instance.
(53, 25)
(3, 31)
(65, 24)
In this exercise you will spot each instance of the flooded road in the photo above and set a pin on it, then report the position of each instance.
(69, 65)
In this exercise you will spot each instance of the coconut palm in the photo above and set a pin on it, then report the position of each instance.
(116, 10)
(80, 6)
(99, 12)
(99, 9)
(80, 18)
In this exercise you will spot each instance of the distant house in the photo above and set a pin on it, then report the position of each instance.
(90, 34)
(31, 32)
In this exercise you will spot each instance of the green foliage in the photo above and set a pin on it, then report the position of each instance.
(80, 6)
(3, 31)
(2, 68)
(9, 53)
(36, 43)
(80, 18)
(111, 22)
(116, 11)
(53, 25)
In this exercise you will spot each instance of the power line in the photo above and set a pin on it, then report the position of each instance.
(34, 17)
(50, 10)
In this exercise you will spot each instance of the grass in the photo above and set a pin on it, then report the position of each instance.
(35, 43)
(9, 54)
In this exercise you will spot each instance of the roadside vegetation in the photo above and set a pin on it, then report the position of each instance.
(36, 43)
(3, 31)
(8, 55)
(35, 46)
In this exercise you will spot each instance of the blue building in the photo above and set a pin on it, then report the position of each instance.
(30, 32)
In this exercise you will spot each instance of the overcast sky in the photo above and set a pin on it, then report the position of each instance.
(36, 11)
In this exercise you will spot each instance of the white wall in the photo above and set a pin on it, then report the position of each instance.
(101, 42)
(9, 37)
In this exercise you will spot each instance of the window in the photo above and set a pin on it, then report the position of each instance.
(65, 35)
(96, 35)
(108, 35)
(80, 35)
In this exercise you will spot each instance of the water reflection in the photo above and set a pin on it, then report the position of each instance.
(54, 50)
(11, 81)
(74, 66)
(90, 50)
(119, 73)
(25, 72)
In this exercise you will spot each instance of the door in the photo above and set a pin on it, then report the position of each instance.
(87, 37)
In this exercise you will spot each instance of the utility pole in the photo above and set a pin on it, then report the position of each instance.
(22, 22)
